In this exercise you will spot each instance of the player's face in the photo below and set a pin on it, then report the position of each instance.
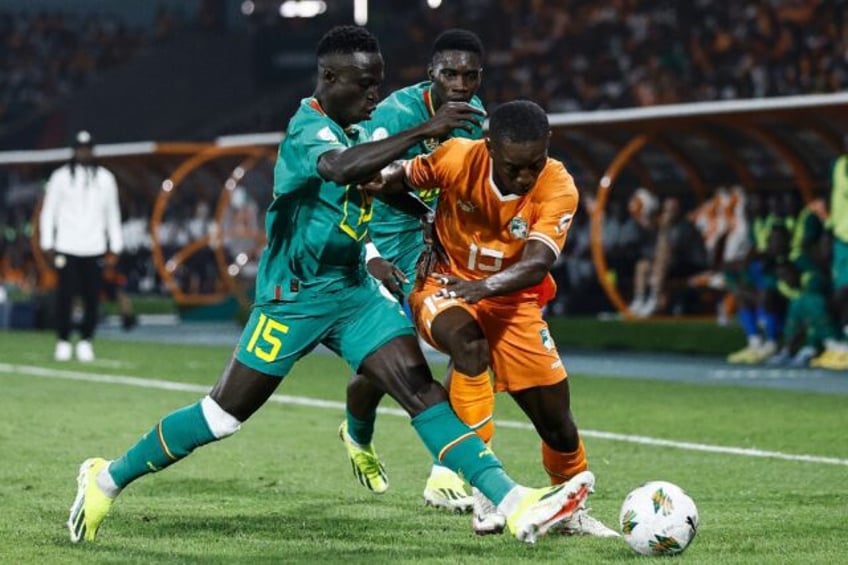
(349, 88)
(456, 75)
(517, 165)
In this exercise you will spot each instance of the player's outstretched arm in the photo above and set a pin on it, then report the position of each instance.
(359, 164)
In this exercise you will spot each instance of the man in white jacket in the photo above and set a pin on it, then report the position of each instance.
(80, 221)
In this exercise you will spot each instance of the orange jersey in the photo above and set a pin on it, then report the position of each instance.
(482, 230)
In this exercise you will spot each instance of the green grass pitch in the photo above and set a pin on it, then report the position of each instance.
(281, 491)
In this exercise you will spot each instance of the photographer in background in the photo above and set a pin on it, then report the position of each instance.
(80, 221)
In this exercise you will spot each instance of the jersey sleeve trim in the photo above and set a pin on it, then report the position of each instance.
(546, 239)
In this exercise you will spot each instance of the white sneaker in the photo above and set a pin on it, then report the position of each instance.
(803, 357)
(762, 353)
(63, 351)
(636, 305)
(648, 307)
(486, 519)
(582, 524)
(445, 489)
(85, 353)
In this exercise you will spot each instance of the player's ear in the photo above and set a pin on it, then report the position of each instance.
(431, 74)
(488, 141)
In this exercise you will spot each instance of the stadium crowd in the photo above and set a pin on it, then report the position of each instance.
(45, 56)
(568, 56)
(589, 54)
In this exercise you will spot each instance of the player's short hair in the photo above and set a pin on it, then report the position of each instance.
(346, 40)
(519, 120)
(458, 40)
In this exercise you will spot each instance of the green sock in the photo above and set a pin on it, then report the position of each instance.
(175, 436)
(360, 431)
(457, 447)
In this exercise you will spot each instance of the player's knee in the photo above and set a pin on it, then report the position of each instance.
(221, 423)
(471, 357)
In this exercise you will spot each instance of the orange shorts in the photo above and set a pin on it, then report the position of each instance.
(522, 353)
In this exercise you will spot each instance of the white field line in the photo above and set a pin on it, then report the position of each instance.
(35, 371)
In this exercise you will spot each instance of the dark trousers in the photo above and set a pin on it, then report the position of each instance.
(78, 276)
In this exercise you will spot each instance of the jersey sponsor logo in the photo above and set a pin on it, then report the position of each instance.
(326, 134)
(379, 133)
(547, 341)
(466, 206)
(518, 228)
(563, 223)
(485, 453)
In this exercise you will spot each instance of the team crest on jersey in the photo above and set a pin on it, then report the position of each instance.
(518, 228)
(547, 341)
(430, 144)
(563, 223)
(326, 134)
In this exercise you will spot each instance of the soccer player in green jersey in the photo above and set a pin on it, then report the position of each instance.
(312, 288)
(397, 240)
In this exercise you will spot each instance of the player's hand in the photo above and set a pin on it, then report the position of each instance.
(469, 291)
(389, 275)
(433, 253)
(373, 185)
(453, 115)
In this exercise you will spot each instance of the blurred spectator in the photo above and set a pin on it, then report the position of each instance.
(803, 280)
(641, 228)
(754, 282)
(114, 289)
(680, 253)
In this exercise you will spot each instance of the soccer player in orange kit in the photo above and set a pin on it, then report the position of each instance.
(503, 214)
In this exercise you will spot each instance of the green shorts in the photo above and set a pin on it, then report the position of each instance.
(839, 263)
(353, 323)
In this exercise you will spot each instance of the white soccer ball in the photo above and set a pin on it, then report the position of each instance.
(658, 518)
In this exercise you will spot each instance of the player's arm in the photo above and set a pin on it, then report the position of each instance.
(535, 263)
(361, 163)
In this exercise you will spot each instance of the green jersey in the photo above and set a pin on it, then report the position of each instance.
(404, 109)
(315, 227)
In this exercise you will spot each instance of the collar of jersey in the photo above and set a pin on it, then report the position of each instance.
(315, 105)
(428, 100)
(501, 196)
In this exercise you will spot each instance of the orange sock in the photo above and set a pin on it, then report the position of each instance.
(562, 466)
(473, 400)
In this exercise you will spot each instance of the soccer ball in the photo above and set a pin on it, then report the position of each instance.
(658, 518)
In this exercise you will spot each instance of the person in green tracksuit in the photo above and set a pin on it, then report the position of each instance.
(835, 355)
(397, 238)
(804, 283)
